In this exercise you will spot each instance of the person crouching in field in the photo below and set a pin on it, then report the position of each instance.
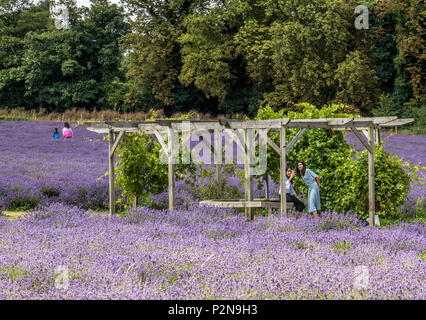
(56, 134)
(312, 181)
(290, 194)
(67, 131)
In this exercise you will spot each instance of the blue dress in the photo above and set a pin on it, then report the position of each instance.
(314, 202)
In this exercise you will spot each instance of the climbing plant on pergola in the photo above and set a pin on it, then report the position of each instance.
(367, 130)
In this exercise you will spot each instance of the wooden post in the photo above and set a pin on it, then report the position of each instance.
(371, 176)
(134, 202)
(378, 136)
(111, 174)
(218, 153)
(266, 179)
(171, 173)
(283, 207)
(248, 188)
(219, 180)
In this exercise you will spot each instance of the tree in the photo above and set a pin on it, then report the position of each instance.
(75, 68)
(213, 56)
(155, 59)
(308, 44)
(399, 58)
(17, 19)
(357, 82)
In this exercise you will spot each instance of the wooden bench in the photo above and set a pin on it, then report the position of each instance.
(258, 203)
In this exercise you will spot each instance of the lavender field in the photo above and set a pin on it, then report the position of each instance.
(192, 253)
(203, 253)
(34, 166)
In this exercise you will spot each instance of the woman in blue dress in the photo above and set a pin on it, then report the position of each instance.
(312, 181)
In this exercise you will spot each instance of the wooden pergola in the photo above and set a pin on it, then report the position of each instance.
(367, 130)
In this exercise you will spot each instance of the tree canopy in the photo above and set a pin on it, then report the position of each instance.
(216, 56)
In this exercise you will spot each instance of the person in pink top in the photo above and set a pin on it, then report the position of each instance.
(67, 131)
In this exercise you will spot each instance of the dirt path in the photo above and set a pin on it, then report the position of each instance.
(13, 214)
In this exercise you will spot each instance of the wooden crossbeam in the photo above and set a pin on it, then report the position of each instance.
(242, 139)
(273, 124)
(340, 121)
(161, 125)
(237, 138)
(295, 139)
(208, 145)
(397, 122)
(273, 145)
(116, 142)
(197, 126)
(99, 130)
(308, 123)
(227, 144)
(361, 138)
(378, 120)
(251, 124)
(181, 144)
(163, 144)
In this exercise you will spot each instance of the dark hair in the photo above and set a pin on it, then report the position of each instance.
(301, 173)
(56, 129)
(66, 125)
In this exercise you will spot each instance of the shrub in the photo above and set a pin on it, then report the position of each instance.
(323, 150)
(23, 203)
(343, 172)
(50, 191)
(392, 183)
(140, 171)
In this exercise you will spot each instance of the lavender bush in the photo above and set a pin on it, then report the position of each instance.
(206, 253)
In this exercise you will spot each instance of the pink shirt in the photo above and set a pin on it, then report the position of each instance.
(67, 133)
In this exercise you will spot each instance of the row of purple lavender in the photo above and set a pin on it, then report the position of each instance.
(62, 252)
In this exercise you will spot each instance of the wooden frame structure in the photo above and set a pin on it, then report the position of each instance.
(367, 130)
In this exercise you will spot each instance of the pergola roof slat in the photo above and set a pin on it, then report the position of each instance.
(397, 122)
(269, 124)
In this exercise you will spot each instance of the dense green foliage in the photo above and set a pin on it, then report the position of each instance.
(61, 69)
(139, 168)
(142, 168)
(392, 183)
(343, 173)
(227, 56)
